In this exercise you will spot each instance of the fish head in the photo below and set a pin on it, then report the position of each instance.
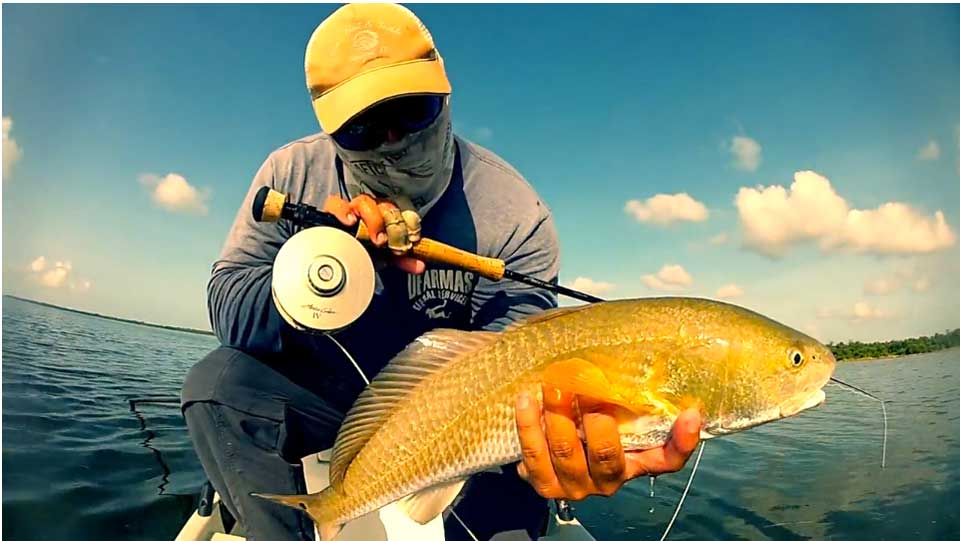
(772, 372)
(808, 367)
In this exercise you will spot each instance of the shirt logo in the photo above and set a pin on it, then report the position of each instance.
(441, 293)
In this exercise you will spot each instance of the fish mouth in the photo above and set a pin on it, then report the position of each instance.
(796, 405)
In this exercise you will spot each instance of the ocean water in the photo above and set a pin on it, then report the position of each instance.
(77, 464)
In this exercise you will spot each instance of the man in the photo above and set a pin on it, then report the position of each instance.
(272, 395)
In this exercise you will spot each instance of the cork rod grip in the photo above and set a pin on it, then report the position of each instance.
(433, 251)
(438, 252)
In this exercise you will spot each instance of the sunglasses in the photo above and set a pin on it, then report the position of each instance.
(402, 116)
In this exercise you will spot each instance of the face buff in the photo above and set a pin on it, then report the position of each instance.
(418, 166)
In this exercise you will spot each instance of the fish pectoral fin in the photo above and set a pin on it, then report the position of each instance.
(310, 504)
(298, 501)
(582, 377)
(425, 505)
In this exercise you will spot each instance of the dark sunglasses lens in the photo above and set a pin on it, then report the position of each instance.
(419, 112)
(357, 136)
(408, 114)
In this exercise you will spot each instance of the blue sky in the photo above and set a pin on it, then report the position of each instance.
(597, 106)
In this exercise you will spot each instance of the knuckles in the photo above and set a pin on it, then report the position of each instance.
(608, 454)
(564, 449)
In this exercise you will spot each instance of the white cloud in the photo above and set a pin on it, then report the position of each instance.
(589, 286)
(722, 238)
(901, 278)
(930, 151)
(173, 193)
(38, 264)
(669, 278)
(729, 291)
(11, 150)
(774, 218)
(664, 209)
(57, 275)
(861, 311)
(881, 286)
(746, 153)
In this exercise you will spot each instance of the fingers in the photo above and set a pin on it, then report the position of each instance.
(566, 449)
(410, 217)
(366, 208)
(535, 467)
(340, 208)
(409, 264)
(671, 457)
(395, 226)
(605, 456)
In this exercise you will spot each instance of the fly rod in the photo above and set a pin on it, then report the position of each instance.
(270, 205)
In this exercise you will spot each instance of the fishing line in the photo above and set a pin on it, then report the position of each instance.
(367, 381)
(352, 361)
(883, 408)
(165, 477)
(464, 525)
(685, 490)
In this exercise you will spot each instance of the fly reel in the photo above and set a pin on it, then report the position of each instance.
(323, 279)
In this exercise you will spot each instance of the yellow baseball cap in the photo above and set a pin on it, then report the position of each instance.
(363, 54)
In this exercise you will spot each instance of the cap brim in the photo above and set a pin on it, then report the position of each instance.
(348, 99)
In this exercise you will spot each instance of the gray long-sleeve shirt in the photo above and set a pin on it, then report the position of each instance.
(488, 209)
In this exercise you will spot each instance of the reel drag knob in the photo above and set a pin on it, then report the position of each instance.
(323, 279)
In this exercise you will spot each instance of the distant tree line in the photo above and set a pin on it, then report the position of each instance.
(924, 344)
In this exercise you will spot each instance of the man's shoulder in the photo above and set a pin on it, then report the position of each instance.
(484, 159)
(305, 168)
(491, 177)
(314, 146)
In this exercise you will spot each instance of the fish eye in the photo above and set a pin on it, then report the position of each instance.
(796, 358)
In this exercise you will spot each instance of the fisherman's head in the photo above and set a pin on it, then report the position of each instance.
(379, 88)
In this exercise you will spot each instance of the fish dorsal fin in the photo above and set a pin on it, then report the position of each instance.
(547, 315)
(425, 505)
(422, 358)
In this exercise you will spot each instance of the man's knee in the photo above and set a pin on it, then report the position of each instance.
(233, 383)
(234, 378)
(202, 378)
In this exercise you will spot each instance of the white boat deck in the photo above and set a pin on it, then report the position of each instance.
(386, 524)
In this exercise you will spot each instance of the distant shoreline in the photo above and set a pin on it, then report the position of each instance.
(891, 357)
(112, 318)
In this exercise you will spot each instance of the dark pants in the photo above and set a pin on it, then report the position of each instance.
(251, 423)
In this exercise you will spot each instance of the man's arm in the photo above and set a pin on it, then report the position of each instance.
(239, 301)
(533, 250)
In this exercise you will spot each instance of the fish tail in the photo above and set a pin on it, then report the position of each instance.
(314, 505)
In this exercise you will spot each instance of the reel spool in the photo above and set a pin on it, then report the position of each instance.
(323, 279)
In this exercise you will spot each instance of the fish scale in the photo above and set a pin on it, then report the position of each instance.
(656, 355)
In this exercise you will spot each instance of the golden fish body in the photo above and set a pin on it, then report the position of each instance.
(444, 408)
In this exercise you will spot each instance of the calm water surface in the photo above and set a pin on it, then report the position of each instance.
(76, 464)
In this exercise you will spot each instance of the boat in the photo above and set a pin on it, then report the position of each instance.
(212, 522)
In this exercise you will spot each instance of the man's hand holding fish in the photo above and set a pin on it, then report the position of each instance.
(558, 466)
